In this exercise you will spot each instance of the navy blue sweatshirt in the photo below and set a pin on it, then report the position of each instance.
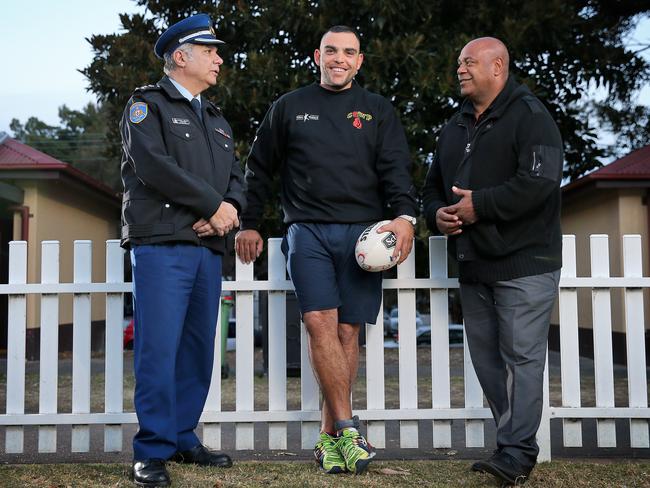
(342, 157)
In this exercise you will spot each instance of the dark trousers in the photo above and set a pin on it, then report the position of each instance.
(507, 324)
(176, 291)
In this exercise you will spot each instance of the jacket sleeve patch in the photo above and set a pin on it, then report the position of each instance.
(546, 162)
(138, 112)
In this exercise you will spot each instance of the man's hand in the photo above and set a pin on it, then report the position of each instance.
(464, 209)
(249, 245)
(203, 228)
(224, 219)
(448, 222)
(404, 232)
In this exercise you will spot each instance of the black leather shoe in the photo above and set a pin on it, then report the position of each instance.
(480, 465)
(506, 468)
(150, 472)
(202, 456)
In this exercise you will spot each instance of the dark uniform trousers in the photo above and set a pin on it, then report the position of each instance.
(176, 290)
(506, 324)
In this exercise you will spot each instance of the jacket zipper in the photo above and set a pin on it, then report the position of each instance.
(469, 146)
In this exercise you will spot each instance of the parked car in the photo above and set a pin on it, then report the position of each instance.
(127, 335)
(423, 335)
(393, 322)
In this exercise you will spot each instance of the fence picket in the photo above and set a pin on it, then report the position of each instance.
(16, 337)
(81, 319)
(277, 353)
(474, 429)
(244, 359)
(375, 394)
(309, 394)
(440, 374)
(114, 365)
(635, 340)
(543, 436)
(603, 353)
(212, 430)
(569, 349)
(49, 355)
(408, 366)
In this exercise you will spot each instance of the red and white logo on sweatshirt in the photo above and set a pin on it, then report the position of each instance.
(357, 117)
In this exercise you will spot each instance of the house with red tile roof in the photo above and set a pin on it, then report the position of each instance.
(612, 200)
(42, 198)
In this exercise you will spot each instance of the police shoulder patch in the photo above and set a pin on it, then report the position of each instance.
(138, 112)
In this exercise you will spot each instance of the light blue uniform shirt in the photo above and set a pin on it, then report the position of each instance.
(184, 91)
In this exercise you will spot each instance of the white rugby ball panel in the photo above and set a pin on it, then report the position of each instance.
(374, 251)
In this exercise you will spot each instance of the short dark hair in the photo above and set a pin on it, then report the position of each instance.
(342, 28)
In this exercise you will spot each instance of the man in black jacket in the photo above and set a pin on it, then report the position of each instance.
(494, 190)
(183, 189)
(342, 157)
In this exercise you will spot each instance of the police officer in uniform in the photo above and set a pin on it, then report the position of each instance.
(183, 191)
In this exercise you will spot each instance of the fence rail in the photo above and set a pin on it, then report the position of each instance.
(277, 416)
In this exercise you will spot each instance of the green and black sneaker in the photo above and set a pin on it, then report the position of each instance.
(327, 455)
(355, 450)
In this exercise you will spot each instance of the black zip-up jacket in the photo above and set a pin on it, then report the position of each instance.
(342, 157)
(511, 159)
(175, 169)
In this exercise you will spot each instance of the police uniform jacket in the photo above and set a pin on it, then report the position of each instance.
(511, 158)
(175, 168)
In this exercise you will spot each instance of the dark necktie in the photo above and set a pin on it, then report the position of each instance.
(196, 105)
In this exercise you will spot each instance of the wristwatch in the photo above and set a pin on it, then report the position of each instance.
(408, 218)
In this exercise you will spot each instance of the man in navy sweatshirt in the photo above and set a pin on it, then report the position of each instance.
(343, 162)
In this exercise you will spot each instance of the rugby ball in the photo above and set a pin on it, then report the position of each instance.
(374, 251)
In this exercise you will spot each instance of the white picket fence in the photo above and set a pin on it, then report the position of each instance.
(277, 417)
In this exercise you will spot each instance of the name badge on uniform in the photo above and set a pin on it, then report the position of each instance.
(180, 121)
(222, 132)
(138, 112)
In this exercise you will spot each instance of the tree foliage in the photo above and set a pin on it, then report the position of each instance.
(80, 139)
(559, 48)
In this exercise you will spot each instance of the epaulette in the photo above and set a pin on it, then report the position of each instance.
(147, 88)
(533, 103)
(215, 107)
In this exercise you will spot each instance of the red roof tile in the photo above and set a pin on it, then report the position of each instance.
(633, 167)
(16, 155)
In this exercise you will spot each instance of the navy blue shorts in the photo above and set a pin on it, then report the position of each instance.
(324, 271)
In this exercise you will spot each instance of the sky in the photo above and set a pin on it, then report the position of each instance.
(46, 45)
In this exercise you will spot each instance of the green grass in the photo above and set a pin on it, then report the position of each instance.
(304, 474)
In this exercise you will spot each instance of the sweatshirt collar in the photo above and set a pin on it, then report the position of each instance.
(510, 92)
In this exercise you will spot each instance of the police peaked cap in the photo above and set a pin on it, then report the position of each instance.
(197, 29)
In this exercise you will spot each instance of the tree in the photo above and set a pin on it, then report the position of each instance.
(559, 48)
(80, 139)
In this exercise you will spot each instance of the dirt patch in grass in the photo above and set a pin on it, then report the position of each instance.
(303, 474)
